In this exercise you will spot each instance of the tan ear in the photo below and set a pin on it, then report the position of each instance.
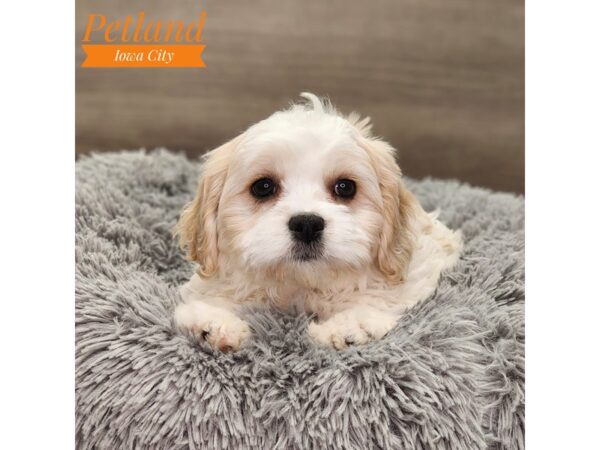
(197, 226)
(399, 207)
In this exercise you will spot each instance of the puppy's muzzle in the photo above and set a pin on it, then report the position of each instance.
(306, 228)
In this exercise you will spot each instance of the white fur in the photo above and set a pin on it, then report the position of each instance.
(306, 147)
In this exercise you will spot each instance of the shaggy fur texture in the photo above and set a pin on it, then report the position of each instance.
(450, 375)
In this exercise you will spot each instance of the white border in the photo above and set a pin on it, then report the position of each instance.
(37, 225)
(562, 230)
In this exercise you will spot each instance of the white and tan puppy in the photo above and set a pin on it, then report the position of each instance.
(307, 210)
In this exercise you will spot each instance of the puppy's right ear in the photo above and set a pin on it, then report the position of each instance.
(197, 226)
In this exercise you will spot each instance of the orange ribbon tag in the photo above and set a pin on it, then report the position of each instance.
(106, 55)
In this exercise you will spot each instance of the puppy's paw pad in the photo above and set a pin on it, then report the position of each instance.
(226, 335)
(222, 330)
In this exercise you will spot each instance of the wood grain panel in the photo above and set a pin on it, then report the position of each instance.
(442, 79)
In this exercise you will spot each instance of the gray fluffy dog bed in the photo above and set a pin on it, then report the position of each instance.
(449, 376)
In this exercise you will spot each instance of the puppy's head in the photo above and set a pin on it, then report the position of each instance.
(304, 191)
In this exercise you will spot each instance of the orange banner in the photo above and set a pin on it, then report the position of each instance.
(102, 55)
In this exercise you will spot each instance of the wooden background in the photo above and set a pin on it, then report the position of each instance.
(443, 80)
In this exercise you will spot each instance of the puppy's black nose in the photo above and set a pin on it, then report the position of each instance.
(306, 227)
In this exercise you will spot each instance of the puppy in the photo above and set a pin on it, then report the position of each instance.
(306, 209)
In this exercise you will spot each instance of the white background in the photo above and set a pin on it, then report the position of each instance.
(37, 229)
(562, 224)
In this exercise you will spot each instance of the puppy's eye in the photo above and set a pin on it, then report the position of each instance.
(263, 188)
(344, 188)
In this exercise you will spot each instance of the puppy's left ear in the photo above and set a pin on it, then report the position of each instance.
(399, 207)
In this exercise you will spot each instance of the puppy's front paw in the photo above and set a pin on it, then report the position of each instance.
(222, 329)
(352, 328)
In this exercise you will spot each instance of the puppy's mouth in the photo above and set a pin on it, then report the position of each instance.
(305, 252)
